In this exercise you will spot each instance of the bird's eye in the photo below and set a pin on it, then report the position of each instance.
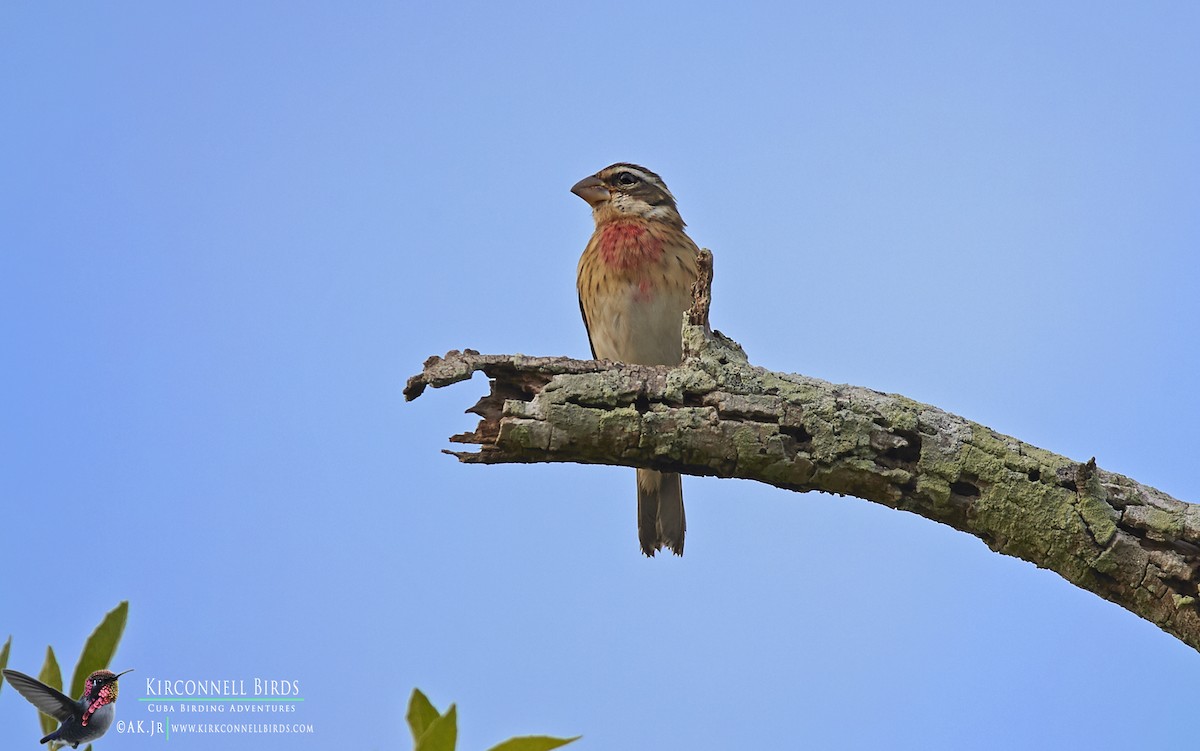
(626, 179)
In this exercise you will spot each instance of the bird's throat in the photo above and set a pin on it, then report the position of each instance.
(95, 705)
(628, 245)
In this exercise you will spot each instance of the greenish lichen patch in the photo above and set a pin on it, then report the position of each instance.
(1157, 524)
(1100, 518)
(527, 434)
(933, 487)
(573, 425)
(711, 450)
(684, 382)
(792, 473)
(982, 463)
(619, 429)
(518, 408)
(1124, 558)
(738, 406)
(1030, 528)
(937, 464)
(749, 444)
(901, 412)
(609, 389)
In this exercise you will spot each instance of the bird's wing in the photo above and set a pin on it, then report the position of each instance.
(49, 701)
(587, 327)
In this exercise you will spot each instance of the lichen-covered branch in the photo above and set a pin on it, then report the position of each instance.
(716, 414)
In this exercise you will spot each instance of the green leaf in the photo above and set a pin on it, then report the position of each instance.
(442, 733)
(100, 646)
(4, 659)
(421, 714)
(52, 677)
(533, 743)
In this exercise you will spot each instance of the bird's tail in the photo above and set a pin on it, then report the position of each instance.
(661, 522)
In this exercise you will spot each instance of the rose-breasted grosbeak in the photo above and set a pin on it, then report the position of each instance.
(635, 283)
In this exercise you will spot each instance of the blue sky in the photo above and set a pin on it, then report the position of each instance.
(232, 230)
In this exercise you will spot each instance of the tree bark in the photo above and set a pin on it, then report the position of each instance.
(716, 414)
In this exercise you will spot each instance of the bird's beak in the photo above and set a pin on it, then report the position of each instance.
(591, 190)
(123, 672)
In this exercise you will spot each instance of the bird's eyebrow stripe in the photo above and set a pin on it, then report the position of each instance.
(609, 173)
(646, 176)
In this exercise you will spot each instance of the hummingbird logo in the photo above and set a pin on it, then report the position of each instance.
(81, 721)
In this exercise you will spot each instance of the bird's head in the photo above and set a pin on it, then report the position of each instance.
(102, 684)
(627, 191)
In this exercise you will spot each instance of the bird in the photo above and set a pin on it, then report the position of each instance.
(81, 721)
(635, 283)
